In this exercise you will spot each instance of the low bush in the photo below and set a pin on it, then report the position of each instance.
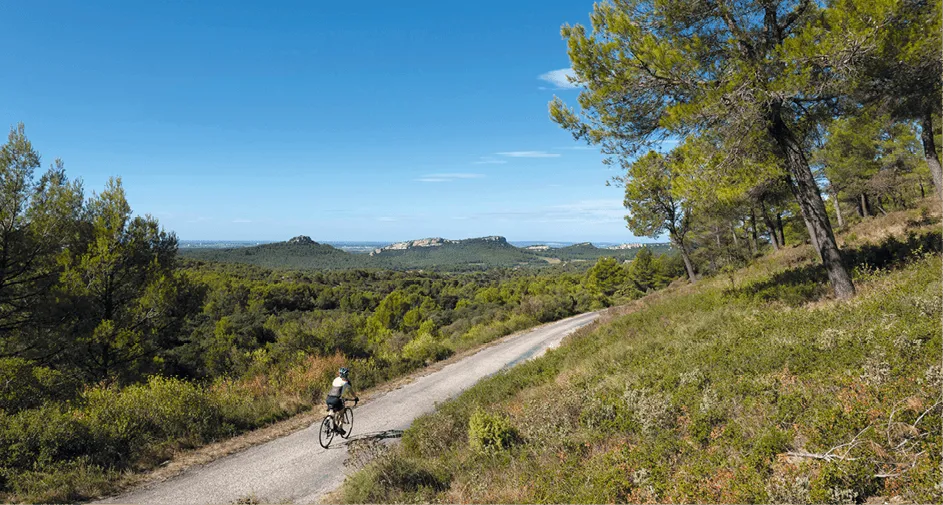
(425, 350)
(490, 432)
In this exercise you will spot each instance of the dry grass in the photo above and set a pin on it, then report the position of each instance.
(896, 223)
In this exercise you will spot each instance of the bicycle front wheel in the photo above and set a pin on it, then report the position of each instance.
(326, 433)
(347, 422)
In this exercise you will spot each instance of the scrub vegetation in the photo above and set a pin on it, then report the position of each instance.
(757, 386)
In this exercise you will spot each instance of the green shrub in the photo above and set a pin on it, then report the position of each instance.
(394, 478)
(653, 411)
(65, 481)
(40, 437)
(128, 422)
(24, 385)
(490, 432)
(771, 442)
(425, 349)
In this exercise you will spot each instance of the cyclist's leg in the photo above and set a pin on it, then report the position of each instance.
(338, 419)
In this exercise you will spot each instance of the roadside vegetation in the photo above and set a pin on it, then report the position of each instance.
(750, 386)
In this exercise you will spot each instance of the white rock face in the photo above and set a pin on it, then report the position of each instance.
(302, 239)
(431, 242)
(628, 246)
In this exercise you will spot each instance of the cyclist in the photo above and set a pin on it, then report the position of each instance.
(335, 397)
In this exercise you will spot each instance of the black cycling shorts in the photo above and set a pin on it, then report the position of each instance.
(335, 403)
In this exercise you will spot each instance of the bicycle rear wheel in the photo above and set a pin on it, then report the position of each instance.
(347, 422)
(326, 433)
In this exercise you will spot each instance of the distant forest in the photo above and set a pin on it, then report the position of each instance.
(301, 253)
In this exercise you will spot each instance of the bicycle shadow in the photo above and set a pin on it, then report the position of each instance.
(365, 437)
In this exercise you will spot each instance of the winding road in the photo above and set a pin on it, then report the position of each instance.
(296, 469)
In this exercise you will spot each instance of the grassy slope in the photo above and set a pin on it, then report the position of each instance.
(700, 393)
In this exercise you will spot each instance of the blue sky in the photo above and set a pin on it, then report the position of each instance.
(343, 121)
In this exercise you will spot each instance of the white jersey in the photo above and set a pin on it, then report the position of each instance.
(339, 387)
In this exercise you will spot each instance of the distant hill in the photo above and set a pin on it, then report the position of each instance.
(298, 253)
(303, 253)
(483, 252)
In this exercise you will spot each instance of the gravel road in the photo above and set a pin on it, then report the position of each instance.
(296, 469)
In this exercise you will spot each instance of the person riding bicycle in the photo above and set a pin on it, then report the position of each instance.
(335, 397)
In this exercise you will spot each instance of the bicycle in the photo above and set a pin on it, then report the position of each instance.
(327, 431)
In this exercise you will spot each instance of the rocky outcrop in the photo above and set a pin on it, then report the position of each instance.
(302, 240)
(628, 246)
(433, 242)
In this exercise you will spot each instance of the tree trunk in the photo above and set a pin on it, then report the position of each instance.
(779, 226)
(923, 193)
(841, 221)
(754, 236)
(812, 206)
(688, 265)
(929, 150)
(812, 238)
(736, 242)
(865, 212)
(769, 226)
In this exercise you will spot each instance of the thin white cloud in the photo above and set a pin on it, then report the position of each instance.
(489, 160)
(560, 78)
(529, 154)
(457, 176)
(386, 219)
(448, 177)
(243, 221)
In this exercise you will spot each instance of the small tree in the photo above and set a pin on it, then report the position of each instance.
(643, 271)
(130, 303)
(850, 158)
(607, 276)
(655, 206)
(38, 217)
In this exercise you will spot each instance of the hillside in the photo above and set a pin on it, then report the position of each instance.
(755, 386)
(302, 253)
(437, 253)
(299, 253)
